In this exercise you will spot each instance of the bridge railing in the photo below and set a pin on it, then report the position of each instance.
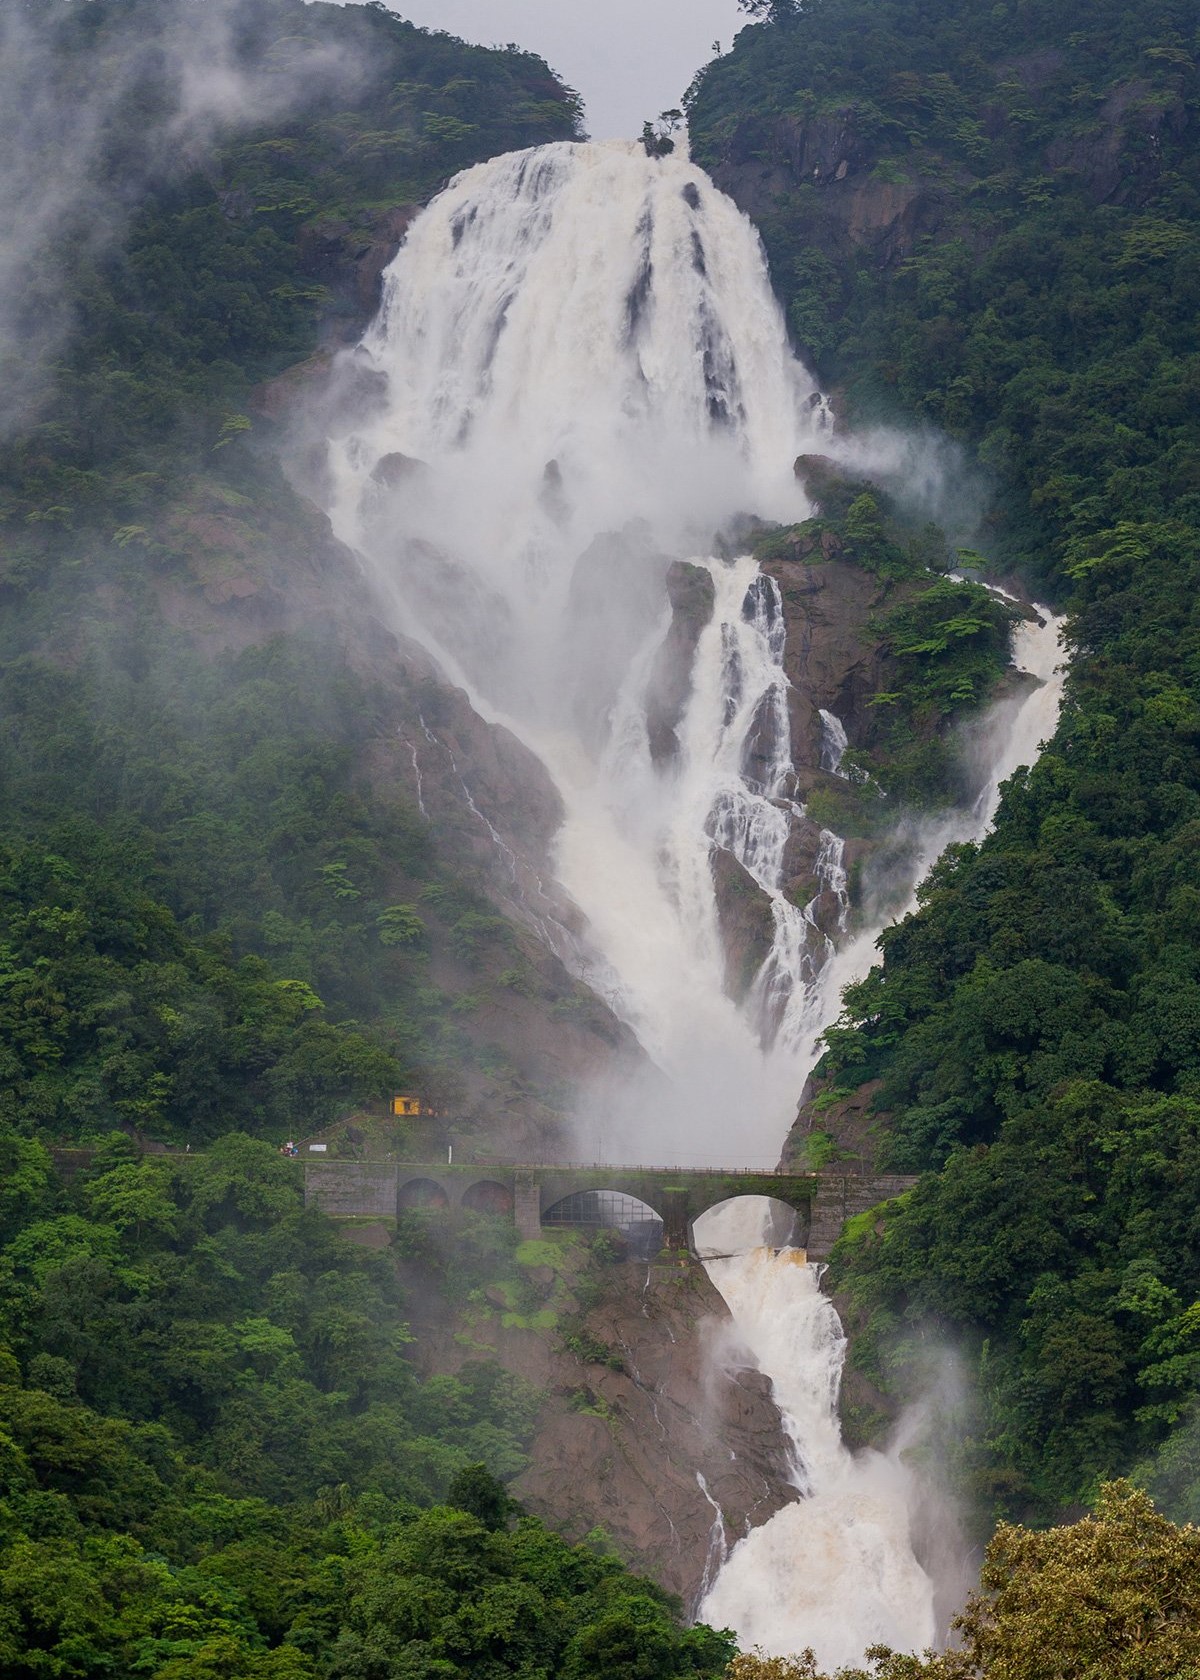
(626, 1167)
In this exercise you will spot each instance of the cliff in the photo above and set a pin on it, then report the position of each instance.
(644, 1393)
(305, 788)
(886, 657)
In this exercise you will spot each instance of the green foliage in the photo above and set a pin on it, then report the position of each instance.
(1046, 320)
(1034, 1027)
(400, 924)
(274, 972)
(111, 1013)
(215, 1459)
(1112, 1597)
(476, 1491)
(819, 1149)
(945, 641)
(590, 1350)
(212, 285)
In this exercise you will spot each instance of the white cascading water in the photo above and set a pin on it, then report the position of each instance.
(583, 374)
(579, 374)
(836, 1570)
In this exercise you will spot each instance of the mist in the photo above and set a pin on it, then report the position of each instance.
(96, 103)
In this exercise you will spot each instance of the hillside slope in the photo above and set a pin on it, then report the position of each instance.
(269, 826)
(987, 219)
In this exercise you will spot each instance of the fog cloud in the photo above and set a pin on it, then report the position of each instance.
(93, 103)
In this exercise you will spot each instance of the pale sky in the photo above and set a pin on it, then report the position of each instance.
(630, 59)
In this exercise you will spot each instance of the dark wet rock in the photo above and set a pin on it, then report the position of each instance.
(350, 257)
(691, 593)
(746, 921)
(396, 469)
(832, 659)
(622, 1448)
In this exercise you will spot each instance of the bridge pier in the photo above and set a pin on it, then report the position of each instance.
(676, 1217)
(527, 1206)
(840, 1197)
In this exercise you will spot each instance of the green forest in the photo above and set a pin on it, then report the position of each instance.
(213, 915)
(217, 1461)
(219, 923)
(1031, 1038)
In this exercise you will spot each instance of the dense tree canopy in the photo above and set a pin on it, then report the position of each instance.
(998, 232)
(217, 1462)
(211, 914)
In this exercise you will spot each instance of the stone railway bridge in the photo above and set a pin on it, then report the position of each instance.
(550, 1197)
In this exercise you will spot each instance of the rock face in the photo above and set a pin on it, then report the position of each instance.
(237, 577)
(1118, 158)
(833, 663)
(746, 921)
(832, 660)
(691, 595)
(623, 1443)
(763, 161)
(350, 259)
(851, 1119)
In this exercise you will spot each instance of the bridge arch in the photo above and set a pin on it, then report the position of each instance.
(487, 1196)
(421, 1193)
(741, 1223)
(638, 1223)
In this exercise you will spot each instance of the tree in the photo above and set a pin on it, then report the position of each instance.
(1115, 1596)
(475, 1490)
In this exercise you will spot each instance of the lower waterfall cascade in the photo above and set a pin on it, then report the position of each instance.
(784, 1586)
(779, 1587)
(579, 375)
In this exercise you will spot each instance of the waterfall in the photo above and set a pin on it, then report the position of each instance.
(578, 376)
(836, 1570)
(1005, 739)
(784, 1587)
(834, 742)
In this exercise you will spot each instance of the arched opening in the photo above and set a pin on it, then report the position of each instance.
(744, 1223)
(611, 1210)
(421, 1193)
(489, 1197)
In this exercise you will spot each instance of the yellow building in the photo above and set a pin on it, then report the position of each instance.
(411, 1108)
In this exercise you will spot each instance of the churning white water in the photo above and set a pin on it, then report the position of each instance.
(836, 1570)
(579, 375)
(583, 375)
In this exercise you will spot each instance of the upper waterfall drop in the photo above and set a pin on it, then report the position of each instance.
(577, 343)
(579, 375)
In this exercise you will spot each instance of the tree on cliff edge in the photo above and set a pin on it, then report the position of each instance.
(773, 9)
(1113, 1597)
